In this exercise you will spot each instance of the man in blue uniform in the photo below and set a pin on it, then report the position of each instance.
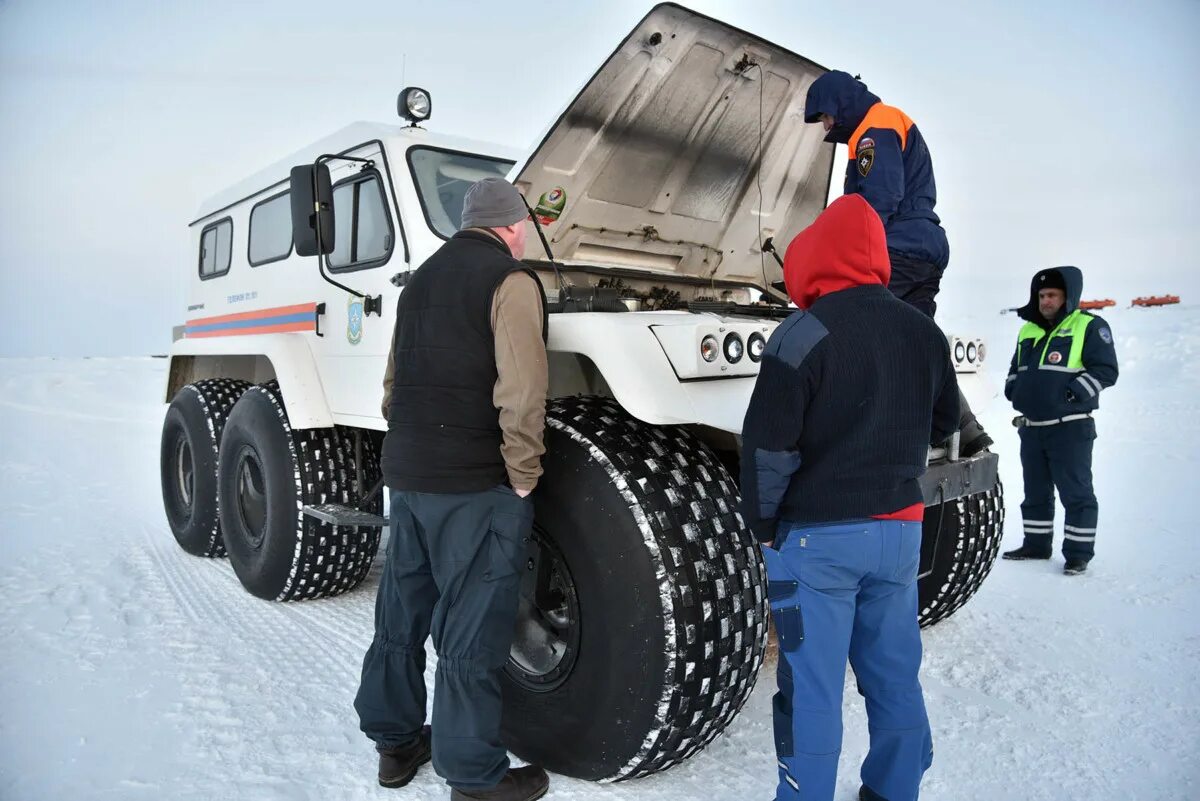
(1064, 359)
(891, 168)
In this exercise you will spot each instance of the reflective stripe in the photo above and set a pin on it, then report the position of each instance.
(1059, 369)
(791, 781)
(1039, 522)
(1022, 369)
(1074, 326)
(1077, 538)
(1079, 530)
(1011, 378)
(1066, 419)
(1091, 392)
(1039, 529)
(785, 767)
(1091, 379)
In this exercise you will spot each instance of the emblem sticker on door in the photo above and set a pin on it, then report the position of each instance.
(354, 320)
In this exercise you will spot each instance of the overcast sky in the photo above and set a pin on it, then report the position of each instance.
(1061, 132)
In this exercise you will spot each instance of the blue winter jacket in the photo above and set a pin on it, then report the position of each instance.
(1060, 366)
(889, 164)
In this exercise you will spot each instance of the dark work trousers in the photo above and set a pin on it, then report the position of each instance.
(917, 284)
(453, 569)
(841, 590)
(1060, 456)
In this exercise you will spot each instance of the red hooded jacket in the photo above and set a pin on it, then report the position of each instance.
(844, 247)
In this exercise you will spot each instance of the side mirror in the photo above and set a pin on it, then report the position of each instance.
(312, 209)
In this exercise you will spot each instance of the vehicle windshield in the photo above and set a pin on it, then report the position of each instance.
(442, 178)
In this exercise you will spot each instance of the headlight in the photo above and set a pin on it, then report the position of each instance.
(734, 348)
(756, 347)
(971, 353)
(709, 348)
(415, 104)
(982, 352)
(960, 352)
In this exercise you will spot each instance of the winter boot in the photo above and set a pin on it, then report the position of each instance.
(1025, 552)
(1074, 567)
(973, 439)
(865, 793)
(398, 766)
(519, 784)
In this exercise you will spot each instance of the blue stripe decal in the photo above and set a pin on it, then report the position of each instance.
(255, 322)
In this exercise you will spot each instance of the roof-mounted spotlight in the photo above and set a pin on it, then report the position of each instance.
(414, 105)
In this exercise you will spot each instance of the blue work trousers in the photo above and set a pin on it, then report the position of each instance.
(848, 590)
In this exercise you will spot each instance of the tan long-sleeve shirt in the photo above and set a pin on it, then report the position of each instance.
(523, 380)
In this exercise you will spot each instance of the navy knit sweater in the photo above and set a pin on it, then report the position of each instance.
(850, 395)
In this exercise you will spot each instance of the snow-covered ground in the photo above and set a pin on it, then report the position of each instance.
(131, 670)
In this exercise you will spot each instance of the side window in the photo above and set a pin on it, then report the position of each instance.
(271, 230)
(362, 229)
(216, 248)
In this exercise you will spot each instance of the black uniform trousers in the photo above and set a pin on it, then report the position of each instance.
(1060, 456)
(453, 569)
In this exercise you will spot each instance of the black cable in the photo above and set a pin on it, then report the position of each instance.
(762, 254)
(545, 245)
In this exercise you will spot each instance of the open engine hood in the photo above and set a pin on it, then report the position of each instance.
(656, 164)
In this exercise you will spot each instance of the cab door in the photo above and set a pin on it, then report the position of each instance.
(369, 249)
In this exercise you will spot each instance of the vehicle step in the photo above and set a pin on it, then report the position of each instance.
(339, 515)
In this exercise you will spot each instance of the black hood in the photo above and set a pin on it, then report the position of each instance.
(1072, 281)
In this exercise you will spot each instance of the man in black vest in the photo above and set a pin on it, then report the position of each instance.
(464, 397)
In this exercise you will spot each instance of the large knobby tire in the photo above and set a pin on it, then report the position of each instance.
(963, 536)
(191, 438)
(268, 472)
(668, 587)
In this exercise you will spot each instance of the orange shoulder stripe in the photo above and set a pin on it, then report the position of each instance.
(881, 116)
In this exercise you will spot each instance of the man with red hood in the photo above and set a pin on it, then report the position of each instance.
(853, 389)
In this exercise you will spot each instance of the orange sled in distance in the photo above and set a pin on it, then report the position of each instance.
(1097, 304)
(1155, 300)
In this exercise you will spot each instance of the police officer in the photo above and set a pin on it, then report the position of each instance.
(465, 402)
(891, 168)
(1064, 359)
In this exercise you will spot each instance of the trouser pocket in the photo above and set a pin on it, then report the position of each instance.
(508, 535)
(785, 609)
(781, 718)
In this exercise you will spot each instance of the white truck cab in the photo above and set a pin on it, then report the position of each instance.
(658, 189)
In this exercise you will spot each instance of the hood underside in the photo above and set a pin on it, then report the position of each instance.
(660, 162)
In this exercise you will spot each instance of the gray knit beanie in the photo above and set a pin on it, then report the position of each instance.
(492, 203)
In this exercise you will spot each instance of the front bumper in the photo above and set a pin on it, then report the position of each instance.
(945, 481)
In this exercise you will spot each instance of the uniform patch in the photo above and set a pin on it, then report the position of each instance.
(1106, 335)
(1054, 358)
(866, 158)
(866, 142)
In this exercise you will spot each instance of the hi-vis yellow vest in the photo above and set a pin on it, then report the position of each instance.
(1073, 325)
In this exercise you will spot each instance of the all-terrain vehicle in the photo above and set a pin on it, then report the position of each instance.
(644, 615)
